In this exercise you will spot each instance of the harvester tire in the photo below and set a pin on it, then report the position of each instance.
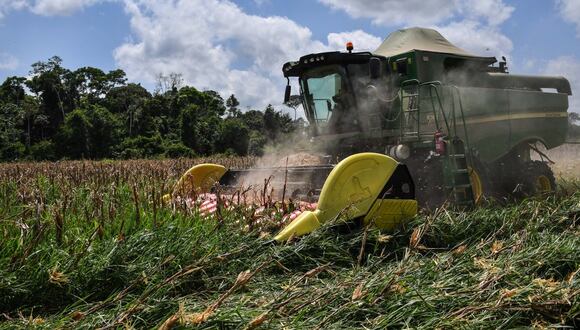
(480, 183)
(536, 179)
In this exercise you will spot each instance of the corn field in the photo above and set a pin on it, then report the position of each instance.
(91, 245)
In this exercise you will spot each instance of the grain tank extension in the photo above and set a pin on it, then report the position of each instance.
(464, 126)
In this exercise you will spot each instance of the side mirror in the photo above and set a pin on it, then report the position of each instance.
(375, 70)
(401, 65)
(287, 93)
(503, 65)
(294, 101)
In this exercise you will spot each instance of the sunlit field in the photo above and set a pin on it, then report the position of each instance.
(92, 245)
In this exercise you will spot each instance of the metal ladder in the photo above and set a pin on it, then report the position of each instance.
(457, 158)
(410, 113)
(456, 174)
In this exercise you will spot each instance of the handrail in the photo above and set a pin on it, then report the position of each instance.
(414, 81)
(468, 146)
(433, 86)
(434, 92)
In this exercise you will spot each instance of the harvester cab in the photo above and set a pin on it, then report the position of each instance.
(341, 93)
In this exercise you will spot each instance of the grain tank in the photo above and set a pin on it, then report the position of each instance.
(463, 124)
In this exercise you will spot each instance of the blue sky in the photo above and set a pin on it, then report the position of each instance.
(239, 46)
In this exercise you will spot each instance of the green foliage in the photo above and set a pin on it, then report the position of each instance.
(12, 90)
(90, 245)
(188, 127)
(232, 104)
(10, 146)
(43, 150)
(236, 136)
(177, 150)
(74, 135)
(103, 133)
(12, 151)
(256, 143)
(276, 123)
(92, 114)
(141, 147)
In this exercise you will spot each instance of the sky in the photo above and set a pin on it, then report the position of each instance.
(238, 47)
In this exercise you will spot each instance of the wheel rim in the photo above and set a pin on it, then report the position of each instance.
(476, 185)
(543, 184)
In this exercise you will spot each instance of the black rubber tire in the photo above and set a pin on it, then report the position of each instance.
(535, 179)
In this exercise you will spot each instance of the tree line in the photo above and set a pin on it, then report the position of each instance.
(57, 113)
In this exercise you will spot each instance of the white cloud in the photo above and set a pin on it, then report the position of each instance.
(569, 67)
(412, 12)
(9, 5)
(8, 62)
(471, 24)
(476, 38)
(362, 41)
(570, 11)
(47, 7)
(396, 12)
(60, 7)
(216, 45)
(494, 12)
(221, 47)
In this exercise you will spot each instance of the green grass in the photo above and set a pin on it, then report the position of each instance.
(87, 245)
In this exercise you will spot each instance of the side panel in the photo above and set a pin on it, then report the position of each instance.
(486, 115)
(485, 112)
(499, 119)
(538, 115)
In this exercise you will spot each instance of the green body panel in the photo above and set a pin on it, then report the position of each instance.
(497, 117)
(497, 120)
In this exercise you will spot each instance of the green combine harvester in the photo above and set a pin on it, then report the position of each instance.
(460, 125)
(465, 127)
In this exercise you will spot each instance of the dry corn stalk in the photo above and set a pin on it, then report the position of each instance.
(56, 277)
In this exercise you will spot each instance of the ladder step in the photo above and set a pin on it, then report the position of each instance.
(460, 171)
(456, 156)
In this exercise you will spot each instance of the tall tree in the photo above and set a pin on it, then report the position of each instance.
(235, 136)
(103, 132)
(74, 135)
(48, 82)
(232, 104)
(10, 119)
(12, 90)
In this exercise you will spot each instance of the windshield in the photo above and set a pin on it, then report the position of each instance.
(321, 88)
(345, 98)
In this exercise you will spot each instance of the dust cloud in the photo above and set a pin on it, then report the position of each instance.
(276, 175)
(567, 160)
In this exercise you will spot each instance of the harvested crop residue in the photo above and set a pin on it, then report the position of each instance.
(296, 159)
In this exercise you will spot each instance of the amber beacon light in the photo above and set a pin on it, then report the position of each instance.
(349, 46)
